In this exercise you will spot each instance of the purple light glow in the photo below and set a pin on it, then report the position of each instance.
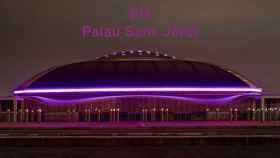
(216, 101)
(138, 89)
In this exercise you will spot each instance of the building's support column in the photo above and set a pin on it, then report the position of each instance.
(32, 115)
(95, 114)
(118, 114)
(111, 114)
(145, 115)
(254, 103)
(68, 114)
(206, 114)
(270, 114)
(73, 115)
(8, 115)
(26, 115)
(254, 109)
(85, 117)
(276, 117)
(77, 114)
(249, 110)
(253, 114)
(22, 111)
(20, 115)
(15, 109)
(89, 114)
(114, 115)
(99, 115)
(262, 109)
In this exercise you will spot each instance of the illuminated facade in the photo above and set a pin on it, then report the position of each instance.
(137, 86)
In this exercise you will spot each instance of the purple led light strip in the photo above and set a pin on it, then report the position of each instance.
(138, 89)
(216, 101)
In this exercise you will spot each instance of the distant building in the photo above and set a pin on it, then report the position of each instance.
(138, 86)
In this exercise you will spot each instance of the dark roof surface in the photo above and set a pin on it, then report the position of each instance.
(135, 69)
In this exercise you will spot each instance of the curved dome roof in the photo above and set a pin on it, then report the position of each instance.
(136, 69)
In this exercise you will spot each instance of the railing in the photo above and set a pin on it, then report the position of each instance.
(144, 115)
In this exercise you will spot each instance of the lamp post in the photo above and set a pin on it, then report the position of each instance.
(231, 115)
(39, 115)
(153, 114)
(253, 114)
(235, 114)
(166, 114)
(114, 114)
(248, 114)
(9, 115)
(26, 115)
(217, 114)
(162, 114)
(118, 114)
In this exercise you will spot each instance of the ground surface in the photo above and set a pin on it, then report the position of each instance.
(155, 151)
(137, 139)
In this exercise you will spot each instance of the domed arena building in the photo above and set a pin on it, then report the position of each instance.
(137, 86)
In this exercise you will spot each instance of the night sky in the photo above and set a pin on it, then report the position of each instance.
(243, 35)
